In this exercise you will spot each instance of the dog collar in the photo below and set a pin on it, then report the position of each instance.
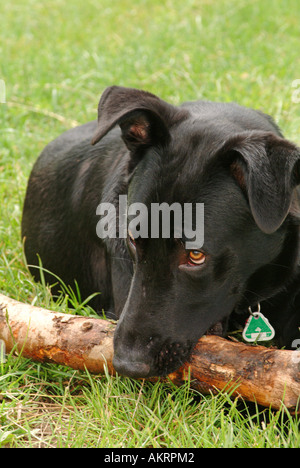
(257, 327)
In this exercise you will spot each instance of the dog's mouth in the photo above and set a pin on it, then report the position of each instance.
(174, 355)
(217, 329)
(170, 357)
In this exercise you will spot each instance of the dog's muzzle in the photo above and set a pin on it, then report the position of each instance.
(131, 369)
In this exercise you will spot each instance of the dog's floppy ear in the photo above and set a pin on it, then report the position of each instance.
(267, 168)
(142, 117)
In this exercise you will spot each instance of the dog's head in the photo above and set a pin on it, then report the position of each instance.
(234, 162)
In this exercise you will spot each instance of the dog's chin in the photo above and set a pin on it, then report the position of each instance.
(170, 357)
(173, 356)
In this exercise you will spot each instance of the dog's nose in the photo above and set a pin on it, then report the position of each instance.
(131, 369)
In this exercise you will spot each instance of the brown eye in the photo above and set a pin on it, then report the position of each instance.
(196, 257)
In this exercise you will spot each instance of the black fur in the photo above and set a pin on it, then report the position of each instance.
(232, 159)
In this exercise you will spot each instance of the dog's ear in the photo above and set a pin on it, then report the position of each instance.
(267, 168)
(142, 117)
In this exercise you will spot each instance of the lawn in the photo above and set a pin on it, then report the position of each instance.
(56, 58)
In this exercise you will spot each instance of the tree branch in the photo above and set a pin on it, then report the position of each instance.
(255, 373)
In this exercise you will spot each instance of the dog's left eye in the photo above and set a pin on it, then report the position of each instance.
(196, 257)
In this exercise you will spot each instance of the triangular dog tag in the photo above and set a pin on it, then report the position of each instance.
(258, 328)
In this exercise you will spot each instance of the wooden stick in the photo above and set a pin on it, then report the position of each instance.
(45, 336)
(255, 373)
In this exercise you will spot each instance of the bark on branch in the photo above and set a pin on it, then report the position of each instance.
(255, 373)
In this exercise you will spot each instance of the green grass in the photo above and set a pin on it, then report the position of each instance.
(56, 58)
(47, 406)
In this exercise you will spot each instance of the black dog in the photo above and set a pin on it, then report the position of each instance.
(232, 159)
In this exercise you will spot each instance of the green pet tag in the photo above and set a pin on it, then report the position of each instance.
(258, 328)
